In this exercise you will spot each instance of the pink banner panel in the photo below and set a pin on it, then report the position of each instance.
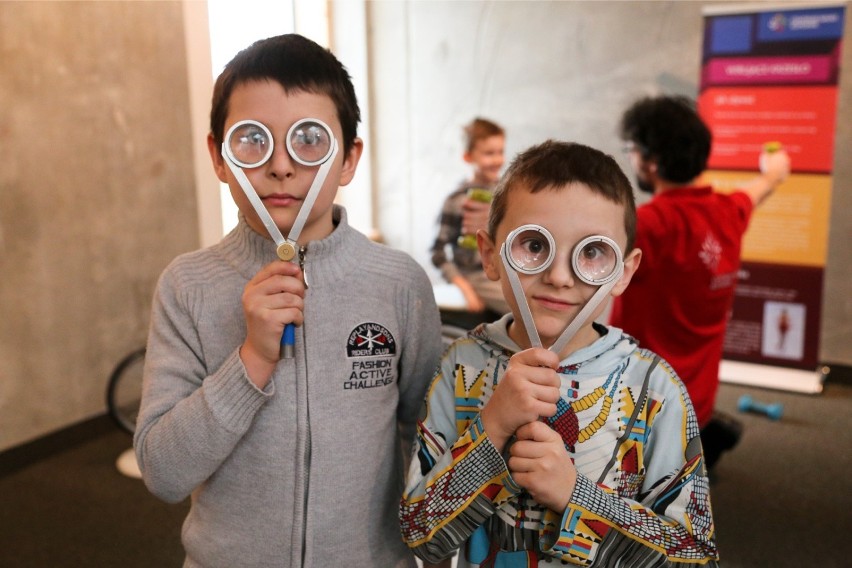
(817, 69)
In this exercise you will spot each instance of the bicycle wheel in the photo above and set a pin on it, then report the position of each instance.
(124, 391)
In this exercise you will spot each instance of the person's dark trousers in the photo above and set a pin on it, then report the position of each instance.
(719, 435)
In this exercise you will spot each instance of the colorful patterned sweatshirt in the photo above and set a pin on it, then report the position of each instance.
(629, 427)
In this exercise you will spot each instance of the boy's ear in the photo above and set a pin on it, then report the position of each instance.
(489, 254)
(219, 165)
(631, 263)
(350, 161)
(467, 157)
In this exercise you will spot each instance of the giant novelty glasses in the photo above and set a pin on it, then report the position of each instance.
(530, 249)
(310, 142)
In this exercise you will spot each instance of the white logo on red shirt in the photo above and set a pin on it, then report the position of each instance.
(711, 252)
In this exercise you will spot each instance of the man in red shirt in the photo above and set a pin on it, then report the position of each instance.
(679, 301)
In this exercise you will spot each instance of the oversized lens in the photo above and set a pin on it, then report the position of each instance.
(530, 249)
(310, 141)
(248, 144)
(596, 260)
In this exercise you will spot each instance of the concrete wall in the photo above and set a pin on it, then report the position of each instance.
(547, 69)
(96, 196)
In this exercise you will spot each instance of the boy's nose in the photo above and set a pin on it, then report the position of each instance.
(281, 165)
(559, 273)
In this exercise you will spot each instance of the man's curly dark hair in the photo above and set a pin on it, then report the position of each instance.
(669, 130)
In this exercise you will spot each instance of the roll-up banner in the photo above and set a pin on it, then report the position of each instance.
(772, 74)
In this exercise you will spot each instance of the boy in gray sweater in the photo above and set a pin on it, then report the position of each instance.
(293, 461)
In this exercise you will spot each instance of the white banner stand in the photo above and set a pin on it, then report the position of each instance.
(770, 377)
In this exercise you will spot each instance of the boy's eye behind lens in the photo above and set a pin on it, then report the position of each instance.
(529, 250)
(249, 144)
(310, 143)
(596, 261)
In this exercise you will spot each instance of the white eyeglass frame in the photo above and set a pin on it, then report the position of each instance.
(607, 283)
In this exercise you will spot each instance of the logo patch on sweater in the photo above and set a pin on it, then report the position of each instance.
(376, 342)
(369, 340)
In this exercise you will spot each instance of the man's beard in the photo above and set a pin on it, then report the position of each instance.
(644, 186)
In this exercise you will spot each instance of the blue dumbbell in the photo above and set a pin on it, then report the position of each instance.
(748, 404)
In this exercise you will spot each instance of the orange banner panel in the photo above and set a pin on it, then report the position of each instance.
(791, 226)
(742, 120)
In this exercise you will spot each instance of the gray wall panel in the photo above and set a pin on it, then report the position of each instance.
(96, 196)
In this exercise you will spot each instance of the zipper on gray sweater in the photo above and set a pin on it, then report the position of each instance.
(303, 250)
(307, 484)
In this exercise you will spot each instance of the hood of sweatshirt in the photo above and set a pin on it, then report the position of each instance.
(596, 358)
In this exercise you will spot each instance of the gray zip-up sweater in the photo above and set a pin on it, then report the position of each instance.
(307, 472)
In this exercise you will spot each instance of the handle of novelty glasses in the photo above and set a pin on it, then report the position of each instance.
(288, 342)
(584, 314)
(288, 338)
(521, 299)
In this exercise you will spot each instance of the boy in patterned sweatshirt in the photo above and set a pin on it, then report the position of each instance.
(585, 453)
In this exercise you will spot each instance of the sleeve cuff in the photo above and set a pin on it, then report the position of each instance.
(233, 399)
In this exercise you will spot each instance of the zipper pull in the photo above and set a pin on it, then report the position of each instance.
(303, 250)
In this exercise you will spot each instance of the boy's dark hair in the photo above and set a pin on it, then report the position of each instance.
(669, 130)
(297, 64)
(480, 129)
(553, 165)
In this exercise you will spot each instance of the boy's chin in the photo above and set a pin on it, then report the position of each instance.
(550, 331)
(546, 332)
(547, 341)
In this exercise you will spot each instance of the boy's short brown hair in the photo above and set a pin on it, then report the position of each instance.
(480, 129)
(297, 64)
(555, 164)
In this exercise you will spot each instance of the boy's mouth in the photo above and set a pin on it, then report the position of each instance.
(553, 303)
(280, 200)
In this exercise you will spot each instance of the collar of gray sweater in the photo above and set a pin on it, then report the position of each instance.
(326, 260)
